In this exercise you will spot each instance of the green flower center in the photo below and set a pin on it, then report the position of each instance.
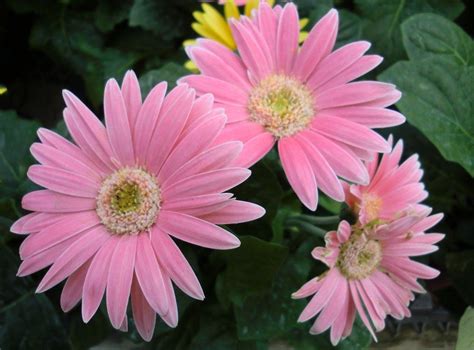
(359, 256)
(282, 105)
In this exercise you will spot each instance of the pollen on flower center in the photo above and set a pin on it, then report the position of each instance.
(359, 256)
(282, 105)
(128, 201)
(372, 204)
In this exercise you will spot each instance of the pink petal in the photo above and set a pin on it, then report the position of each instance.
(223, 91)
(195, 142)
(255, 149)
(287, 38)
(119, 281)
(298, 172)
(362, 66)
(63, 181)
(132, 97)
(324, 174)
(360, 92)
(87, 131)
(317, 45)
(350, 133)
(372, 117)
(96, 279)
(198, 205)
(148, 118)
(149, 275)
(196, 231)
(118, 125)
(68, 226)
(336, 62)
(53, 202)
(73, 257)
(72, 291)
(343, 231)
(360, 309)
(172, 120)
(212, 159)
(234, 213)
(143, 315)
(210, 64)
(45, 258)
(175, 264)
(208, 182)
(309, 288)
(241, 131)
(18, 226)
(171, 318)
(343, 163)
(48, 155)
(321, 298)
(267, 23)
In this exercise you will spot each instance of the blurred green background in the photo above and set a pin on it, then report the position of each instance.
(50, 45)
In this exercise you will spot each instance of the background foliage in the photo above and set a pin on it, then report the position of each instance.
(48, 45)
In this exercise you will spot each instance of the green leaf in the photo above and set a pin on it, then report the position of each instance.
(384, 17)
(110, 13)
(350, 28)
(169, 22)
(428, 35)
(74, 41)
(465, 333)
(18, 135)
(275, 313)
(251, 269)
(460, 266)
(27, 320)
(438, 99)
(169, 72)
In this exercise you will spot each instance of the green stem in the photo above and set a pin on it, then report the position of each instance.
(318, 220)
(307, 227)
(16, 302)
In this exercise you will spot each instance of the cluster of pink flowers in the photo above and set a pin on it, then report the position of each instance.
(117, 197)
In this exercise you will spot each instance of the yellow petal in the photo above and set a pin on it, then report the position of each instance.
(189, 65)
(302, 37)
(218, 24)
(249, 6)
(231, 10)
(198, 16)
(271, 2)
(3, 89)
(189, 42)
(206, 32)
(303, 22)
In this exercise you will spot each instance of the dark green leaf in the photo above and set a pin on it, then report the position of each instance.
(461, 265)
(110, 13)
(251, 269)
(428, 35)
(170, 72)
(385, 16)
(438, 98)
(18, 135)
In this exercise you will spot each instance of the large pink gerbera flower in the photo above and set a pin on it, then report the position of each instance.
(370, 273)
(392, 187)
(273, 91)
(115, 198)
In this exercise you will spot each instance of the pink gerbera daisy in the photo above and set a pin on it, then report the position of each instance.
(370, 273)
(392, 187)
(115, 198)
(303, 99)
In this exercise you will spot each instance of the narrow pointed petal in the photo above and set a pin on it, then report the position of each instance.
(143, 315)
(234, 213)
(72, 291)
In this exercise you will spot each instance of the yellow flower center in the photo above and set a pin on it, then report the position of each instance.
(282, 105)
(359, 256)
(128, 201)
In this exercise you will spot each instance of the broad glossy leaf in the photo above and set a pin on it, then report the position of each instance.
(169, 72)
(428, 35)
(466, 335)
(438, 99)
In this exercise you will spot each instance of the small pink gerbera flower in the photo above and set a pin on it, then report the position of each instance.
(370, 273)
(392, 188)
(115, 198)
(303, 99)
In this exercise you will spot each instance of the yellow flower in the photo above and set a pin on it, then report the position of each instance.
(213, 25)
(3, 89)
